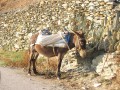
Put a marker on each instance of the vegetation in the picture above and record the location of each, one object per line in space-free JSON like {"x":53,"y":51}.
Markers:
{"x":20,"y":59}
{"x":13,"y":59}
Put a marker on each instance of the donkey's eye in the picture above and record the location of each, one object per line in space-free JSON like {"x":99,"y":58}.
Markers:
{"x":81,"y":40}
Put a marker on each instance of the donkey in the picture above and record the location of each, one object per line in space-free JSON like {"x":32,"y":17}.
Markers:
{"x":77,"y":40}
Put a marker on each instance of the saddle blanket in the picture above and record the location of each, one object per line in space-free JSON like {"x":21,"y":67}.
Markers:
{"x":54,"y":40}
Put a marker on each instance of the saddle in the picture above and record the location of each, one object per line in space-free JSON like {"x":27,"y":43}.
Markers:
{"x":46,"y":38}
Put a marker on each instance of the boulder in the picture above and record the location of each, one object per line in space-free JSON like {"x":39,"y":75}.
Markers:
{"x":106,"y":65}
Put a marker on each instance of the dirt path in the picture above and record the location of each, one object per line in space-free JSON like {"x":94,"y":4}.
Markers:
{"x":15,"y":79}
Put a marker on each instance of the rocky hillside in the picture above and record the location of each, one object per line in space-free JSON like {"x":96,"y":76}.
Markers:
{"x":17,"y":25}
{"x":20,"y":18}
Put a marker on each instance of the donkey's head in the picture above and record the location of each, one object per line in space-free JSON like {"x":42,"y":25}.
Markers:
{"x":80,"y":43}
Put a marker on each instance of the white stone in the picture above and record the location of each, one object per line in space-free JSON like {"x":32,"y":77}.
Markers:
{"x":90,"y":18}
{"x":91,"y":8}
{"x":17,"y":34}
{"x":99,"y":0}
{"x":96,"y":3}
{"x":78,"y":2}
{"x":64,"y":5}
{"x":16,"y":46}
{"x":83,"y":5}
{"x":29,"y":35}
{"x":59,"y":22}
{"x":91,"y":4}
{"x":53,"y":17}
{"x":106,"y":0}
{"x":5,"y":25}
{"x":86,"y":2}
{"x":97,"y":84}
{"x":98,"y":21}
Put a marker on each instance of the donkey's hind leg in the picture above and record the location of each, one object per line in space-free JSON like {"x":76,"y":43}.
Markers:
{"x":31,"y":58}
{"x":34,"y":62}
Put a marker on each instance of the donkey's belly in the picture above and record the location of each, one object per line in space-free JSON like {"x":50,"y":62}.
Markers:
{"x":46,"y":51}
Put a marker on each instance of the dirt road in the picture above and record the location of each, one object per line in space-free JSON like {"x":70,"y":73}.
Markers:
{"x":15,"y":79}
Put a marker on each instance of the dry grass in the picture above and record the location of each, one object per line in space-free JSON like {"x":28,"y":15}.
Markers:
{"x":47,"y":68}
{"x":20,"y":60}
{"x":14,"y":59}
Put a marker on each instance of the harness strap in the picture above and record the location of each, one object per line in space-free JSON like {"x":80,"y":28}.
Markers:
{"x":65,"y":41}
{"x":53,"y":49}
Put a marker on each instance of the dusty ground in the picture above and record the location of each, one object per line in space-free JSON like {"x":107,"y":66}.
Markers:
{"x":16,"y":79}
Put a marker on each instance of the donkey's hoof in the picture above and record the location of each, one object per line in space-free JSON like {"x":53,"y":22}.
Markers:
{"x":58,"y":78}
{"x":36,"y":73}
{"x":29,"y":73}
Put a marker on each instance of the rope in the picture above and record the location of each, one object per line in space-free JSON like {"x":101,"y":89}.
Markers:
{"x":65,"y":41}
{"x":53,"y":49}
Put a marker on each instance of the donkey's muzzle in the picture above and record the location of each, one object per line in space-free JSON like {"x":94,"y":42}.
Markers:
{"x":82,"y":53}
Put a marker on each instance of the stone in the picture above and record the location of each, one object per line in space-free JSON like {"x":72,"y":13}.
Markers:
{"x":106,"y":0}
{"x":90,"y":18}
{"x":102,"y":3}
{"x":106,"y":65}
{"x":16,"y":46}
{"x":97,"y":84}
{"x":91,"y":4}
{"x":91,"y":8}
{"x":64,"y":5}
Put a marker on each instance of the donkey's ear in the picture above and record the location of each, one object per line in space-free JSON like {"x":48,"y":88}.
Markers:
{"x":80,"y":32}
{"x":75,"y":32}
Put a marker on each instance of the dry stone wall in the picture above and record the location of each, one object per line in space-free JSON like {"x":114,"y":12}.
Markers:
{"x":16,"y":26}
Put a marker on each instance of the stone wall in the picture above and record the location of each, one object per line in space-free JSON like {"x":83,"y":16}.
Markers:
{"x":16,"y":26}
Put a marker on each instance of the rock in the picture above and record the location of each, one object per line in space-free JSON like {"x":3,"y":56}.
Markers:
{"x":118,"y":47}
{"x":106,"y":65}
{"x":16,"y":46}
{"x":97,"y":84}
{"x":97,"y":60}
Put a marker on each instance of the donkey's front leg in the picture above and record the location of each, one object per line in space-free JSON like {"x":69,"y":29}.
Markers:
{"x":59,"y":65}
